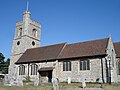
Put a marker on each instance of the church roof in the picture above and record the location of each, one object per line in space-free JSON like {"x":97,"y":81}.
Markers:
{"x":64,"y":51}
{"x":117,"y":49}
{"x":41,"y":53}
{"x":85,"y":49}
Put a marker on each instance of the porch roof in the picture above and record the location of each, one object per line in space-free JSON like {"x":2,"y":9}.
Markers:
{"x":45,"y":69}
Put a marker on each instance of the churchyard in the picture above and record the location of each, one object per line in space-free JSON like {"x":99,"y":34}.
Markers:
{"x":62,"y":86}
{"x":19,"y":84}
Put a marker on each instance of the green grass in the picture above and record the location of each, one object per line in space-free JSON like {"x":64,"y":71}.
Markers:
{"x":63,"y":86}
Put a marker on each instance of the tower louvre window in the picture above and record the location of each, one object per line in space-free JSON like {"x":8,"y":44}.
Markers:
{"x":34,"y":32}
{"x":20,"y":32}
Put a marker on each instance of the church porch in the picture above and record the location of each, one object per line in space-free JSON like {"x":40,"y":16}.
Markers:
{"x":45,"y":74}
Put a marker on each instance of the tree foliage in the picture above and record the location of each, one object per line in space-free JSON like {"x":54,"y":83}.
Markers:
{"x":1,"y":58}
{"x":4,"y":64}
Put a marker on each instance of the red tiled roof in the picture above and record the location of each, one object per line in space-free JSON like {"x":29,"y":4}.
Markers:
{"x":84,"y":49}
{"x":64,"y":50}
{"x":117,"y":49}
{"x":41,"y":53}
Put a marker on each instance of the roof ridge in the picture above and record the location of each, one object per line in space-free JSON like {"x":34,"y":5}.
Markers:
{"x":62,"y":50}
{"x":89,"y":41}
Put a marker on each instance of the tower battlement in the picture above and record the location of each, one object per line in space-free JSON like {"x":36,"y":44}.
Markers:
{"x":19,"y":23}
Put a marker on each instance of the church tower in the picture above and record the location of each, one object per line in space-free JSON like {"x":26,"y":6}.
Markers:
{"x":27,"y":35}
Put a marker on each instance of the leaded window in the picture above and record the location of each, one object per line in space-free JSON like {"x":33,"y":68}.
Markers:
{"x":21,"y":70}
{"x":34,"y":69}
{"x":84,"y":65}
{"x":66,"y":66}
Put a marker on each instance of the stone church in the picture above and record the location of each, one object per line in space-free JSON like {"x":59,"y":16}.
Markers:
{"x":93,"y":61}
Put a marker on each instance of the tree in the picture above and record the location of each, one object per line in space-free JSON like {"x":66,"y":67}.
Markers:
{"x":1,"y":58}
{"x":4,"y":64}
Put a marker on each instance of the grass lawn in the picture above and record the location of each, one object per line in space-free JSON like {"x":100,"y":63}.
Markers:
{"x":64,"y":86}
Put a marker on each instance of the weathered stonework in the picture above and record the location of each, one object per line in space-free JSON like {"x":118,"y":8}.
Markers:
{"x":23,"y":40}
{"x":78,"y":75}
{"x":118,"y":62}
{"x":102,"y":68}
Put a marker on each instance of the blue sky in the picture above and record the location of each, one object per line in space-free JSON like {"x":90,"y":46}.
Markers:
{"x":62,"y":20}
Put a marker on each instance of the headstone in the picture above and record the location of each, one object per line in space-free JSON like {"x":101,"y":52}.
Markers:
{"x":55,"y":84}
{"x":12,"y":82}
{"x":83,"y":84}
{"x":36,"y":82}
{"x":19,"y":82}
{"x":43,"y":81}
{"x":69,"y":80}
{"x":6,"y":81}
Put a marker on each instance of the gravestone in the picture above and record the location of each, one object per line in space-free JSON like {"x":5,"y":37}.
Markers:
{"x":19,"y":82}
{"x":36,"y":82}
{"x":43,"y":81}
{"x":6,"y":81}
{"x":55,"y":84}
{"x":12,"y":82}
{"x":83,"y":83}
{"x":69,"y":80}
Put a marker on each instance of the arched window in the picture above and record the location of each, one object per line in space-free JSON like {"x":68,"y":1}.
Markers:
{"x":21,"y":70}
{"x":34,"y":69}
{"x":34,"y":32}
{"x":20,"y":32}
{"x":118,"y":67}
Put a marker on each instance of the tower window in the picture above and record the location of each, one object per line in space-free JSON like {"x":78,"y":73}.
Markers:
{"x":33,"y":43}
{"x":20,"y":32}
{"x":18,"y":43}
{"x":34,"y":32}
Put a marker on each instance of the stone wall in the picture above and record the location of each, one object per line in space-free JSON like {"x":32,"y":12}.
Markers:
{"x":78,"y":75}
{"x":111,"y":60}
{"x":40,"y":65}
{"x":118,"y":75}
{"x":23,"y":40}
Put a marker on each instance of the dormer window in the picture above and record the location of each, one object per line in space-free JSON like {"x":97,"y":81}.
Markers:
{"x":34,"y":32}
